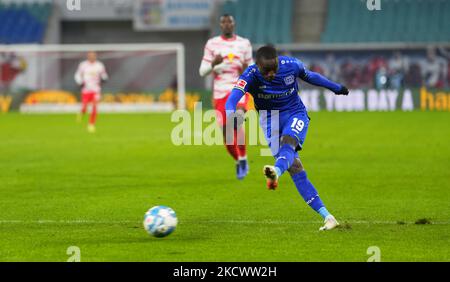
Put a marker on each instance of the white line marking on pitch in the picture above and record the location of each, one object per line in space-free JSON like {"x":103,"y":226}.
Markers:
{"x":85,"y":221}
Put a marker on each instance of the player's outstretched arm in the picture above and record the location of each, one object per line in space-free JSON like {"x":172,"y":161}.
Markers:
{"x":320,"y":80}
{"x":233,"y":99}
{"x":230,"y":108}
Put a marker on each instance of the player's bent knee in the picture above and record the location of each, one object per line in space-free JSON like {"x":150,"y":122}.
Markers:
{"x":286,"y":139}
{"x":296,"y":167}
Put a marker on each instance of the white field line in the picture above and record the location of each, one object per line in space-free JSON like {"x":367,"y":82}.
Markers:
{"x":230,"y":221}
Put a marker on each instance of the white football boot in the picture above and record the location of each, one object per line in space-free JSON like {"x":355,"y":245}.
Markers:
{"x":330,"y":223}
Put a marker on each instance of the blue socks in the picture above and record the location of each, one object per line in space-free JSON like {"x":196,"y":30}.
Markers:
{"x":309,"y":193}
{"x":286,"y":156}
{"x":323,"y":212}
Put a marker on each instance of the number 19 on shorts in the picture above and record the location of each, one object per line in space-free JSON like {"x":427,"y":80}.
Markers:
{"x":297,"y":125}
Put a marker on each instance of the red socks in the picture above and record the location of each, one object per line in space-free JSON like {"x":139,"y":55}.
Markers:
{"x":235,"y":150}
{"x":93,"y":114}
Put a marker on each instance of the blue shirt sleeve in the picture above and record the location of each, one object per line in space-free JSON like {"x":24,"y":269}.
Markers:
{"x":316,"y":78}
{"x":240,"y":88}
{"x":233,"y":99}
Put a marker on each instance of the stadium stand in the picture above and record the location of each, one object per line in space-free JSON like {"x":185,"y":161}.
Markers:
{"x":397,"y":21}
{"x":257,"y":22}
{"x":23,"y":22}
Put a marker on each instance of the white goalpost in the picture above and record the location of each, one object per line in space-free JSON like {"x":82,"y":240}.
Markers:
{"x":142,"y":77}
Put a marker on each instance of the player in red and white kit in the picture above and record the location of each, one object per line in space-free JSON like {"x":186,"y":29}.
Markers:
{"x":89,"y":76}
{"x":226,"y":57}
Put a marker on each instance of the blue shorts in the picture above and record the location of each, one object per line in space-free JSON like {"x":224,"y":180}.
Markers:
{"x":276,"y":124}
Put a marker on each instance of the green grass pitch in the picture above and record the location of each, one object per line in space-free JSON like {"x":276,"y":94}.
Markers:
{"x":378,"y":173}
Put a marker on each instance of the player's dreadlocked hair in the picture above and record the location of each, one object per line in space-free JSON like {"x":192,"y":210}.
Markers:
{"x":267,"y":52}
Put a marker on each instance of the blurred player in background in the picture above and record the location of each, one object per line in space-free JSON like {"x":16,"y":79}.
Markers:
{"x":272,"y":82}
{"x":226,"y":57}
{"x":11,"y":66}
{"x":90,"y":74}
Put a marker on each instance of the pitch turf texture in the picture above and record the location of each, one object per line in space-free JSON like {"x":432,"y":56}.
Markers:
{"x":378,"y":173}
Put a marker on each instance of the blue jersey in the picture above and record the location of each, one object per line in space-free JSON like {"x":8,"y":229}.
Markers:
{"x":282,"y":92}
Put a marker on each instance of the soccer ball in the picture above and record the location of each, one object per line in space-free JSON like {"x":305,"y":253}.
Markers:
{"x":160,"y":221}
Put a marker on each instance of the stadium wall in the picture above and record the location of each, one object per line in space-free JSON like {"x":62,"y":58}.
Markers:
{"x":93,"y":32}
{"x":407,"y":99}
{"x":366,"y":69}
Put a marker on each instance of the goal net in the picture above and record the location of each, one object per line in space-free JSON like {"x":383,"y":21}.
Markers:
{"x":142,"y":77}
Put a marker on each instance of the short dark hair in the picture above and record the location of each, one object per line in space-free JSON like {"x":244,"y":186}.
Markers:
{"x":226,"y":16}
{"x":267,"y":52}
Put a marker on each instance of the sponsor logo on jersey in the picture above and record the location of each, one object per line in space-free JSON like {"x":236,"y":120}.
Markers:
{"x":230,"y":57}
{"x":289,"y":79}
{"x":275,"y":96}
{"x":241,"y":84}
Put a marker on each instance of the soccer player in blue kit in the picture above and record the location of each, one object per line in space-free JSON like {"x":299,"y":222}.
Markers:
{"x":272,"y":82}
